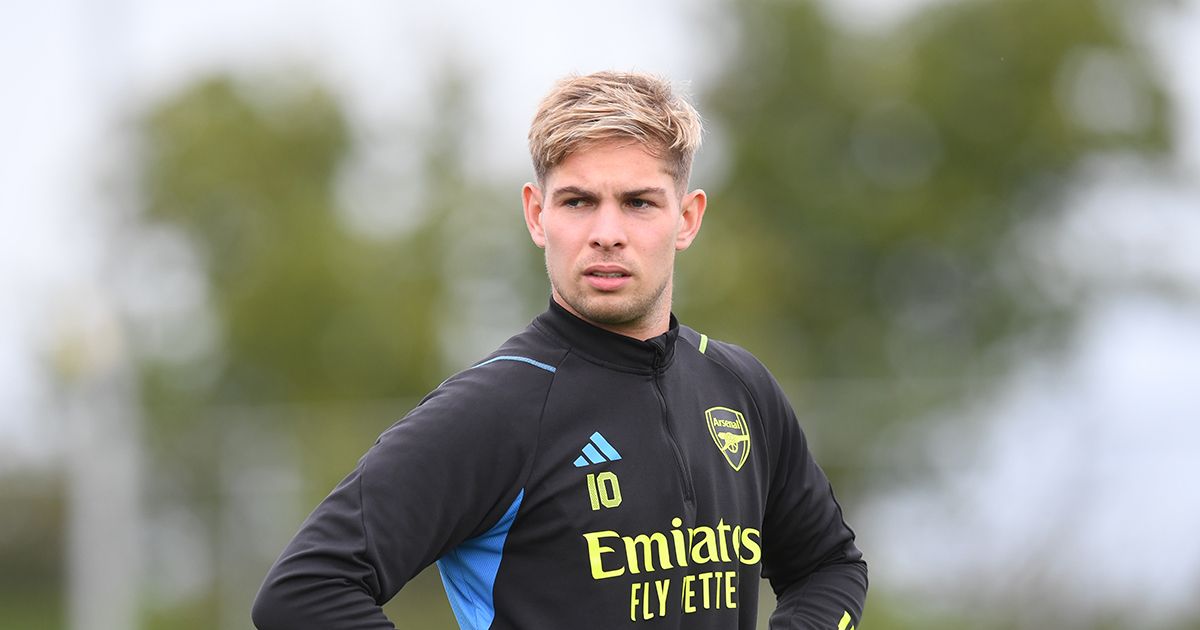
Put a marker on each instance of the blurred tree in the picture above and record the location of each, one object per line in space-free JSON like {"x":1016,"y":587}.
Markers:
{"x":866,"y":239}
{"x":324,"y":333}
{"x":308,"y":312}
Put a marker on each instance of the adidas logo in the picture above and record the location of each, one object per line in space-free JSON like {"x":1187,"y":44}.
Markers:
{"x":597,"y":451}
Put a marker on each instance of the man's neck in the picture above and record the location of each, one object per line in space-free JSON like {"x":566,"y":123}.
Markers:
{"x":648,"y":327}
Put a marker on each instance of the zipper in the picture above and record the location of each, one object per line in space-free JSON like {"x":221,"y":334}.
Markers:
{"x":689,"y":493}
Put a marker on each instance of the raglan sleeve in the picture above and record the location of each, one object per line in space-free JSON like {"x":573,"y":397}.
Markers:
{"x":809,"y":552}
{"x":445,"y":473}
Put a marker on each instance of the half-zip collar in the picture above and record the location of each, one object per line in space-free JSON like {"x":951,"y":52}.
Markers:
{"x":609,"y":348}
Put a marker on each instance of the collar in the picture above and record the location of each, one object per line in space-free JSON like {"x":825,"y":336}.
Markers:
{"x":609,"y":348}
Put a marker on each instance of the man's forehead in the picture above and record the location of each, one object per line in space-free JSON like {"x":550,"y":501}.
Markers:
{"x":610,"y":163}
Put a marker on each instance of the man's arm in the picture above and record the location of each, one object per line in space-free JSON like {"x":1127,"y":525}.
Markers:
{"x":327,"y":576}
{"x":444,"y":474}
{"x":809,"y":556}
{"x":818,"y":574}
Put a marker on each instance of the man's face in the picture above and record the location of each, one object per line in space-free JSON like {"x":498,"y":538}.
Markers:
{"x":611,"y":219}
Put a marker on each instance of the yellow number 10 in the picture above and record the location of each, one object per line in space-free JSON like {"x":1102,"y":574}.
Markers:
{"x":603,"y":489}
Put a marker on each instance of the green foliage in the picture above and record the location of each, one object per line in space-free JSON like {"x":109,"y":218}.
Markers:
{"x":325,"y":334}
{"x":423,"y":604}
{"x":865,"y":240}
{"x":308,"y":312}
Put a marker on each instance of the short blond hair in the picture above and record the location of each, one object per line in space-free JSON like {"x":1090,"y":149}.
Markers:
{"x":584,"y":110}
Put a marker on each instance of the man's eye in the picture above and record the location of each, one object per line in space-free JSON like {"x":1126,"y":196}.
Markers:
{"x":575,"y":203}
{"x":639,"y":203}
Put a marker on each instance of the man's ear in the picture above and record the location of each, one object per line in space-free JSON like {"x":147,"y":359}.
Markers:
{"x":689,"y":221}
{"x":531,"y":199}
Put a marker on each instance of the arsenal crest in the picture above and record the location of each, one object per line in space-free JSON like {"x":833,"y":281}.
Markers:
{"x":731,"y":433}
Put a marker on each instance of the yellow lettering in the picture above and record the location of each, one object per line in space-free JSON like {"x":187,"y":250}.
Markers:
{"x":603,"y":489}
{"x":723,"y":529}
{"x":647,"y":543}
{"x":730,"y":589}
{"x":680,"y":546}
{"x":754,"y":547}
{"x":662,"y":586}
{"x":591,"y":484}
{"x":677,"y":547}
{"x":704,"y":550}
{"x":639,"y":598}
{"x":610,"y":489}
{"x":688,"y":593}
{"x":596,"y":551}
{"x":706,"y":599}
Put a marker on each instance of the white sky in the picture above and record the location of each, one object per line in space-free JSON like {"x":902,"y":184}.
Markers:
{"x":1125,"y":400}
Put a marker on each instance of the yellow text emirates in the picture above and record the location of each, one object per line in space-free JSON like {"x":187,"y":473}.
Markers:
{"x":610,"y":554}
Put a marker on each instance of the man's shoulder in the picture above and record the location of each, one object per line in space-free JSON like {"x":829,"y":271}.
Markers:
{"x":529,"y":353}
{"x":483,"y":399}
{"x":730,"y":355}
{"x":523,"y":363}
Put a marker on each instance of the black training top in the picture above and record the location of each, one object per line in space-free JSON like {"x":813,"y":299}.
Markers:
{"x":582,"y":479}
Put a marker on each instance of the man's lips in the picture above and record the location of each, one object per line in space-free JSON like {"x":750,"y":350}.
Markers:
{"x":606,"y":277}
{"x":606,"y":270}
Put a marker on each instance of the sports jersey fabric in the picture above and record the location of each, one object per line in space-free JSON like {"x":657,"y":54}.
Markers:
{"x":578,"y":478}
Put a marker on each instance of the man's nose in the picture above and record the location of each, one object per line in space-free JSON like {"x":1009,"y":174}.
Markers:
{"x":608,"y":228}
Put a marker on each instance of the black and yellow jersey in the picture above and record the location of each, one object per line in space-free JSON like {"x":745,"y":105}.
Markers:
{"x":582,"y":479}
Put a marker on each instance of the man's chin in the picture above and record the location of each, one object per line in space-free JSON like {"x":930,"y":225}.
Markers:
{"x":606,"y":310}
{"x":608,"y":314}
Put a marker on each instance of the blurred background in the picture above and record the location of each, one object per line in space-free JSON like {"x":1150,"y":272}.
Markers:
{"x":241,"y":239}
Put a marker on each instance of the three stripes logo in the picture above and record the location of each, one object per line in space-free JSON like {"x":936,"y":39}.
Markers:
{"x":597,"y":451}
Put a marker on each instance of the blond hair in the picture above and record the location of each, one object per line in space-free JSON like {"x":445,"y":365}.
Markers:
{"x":584,"y":110}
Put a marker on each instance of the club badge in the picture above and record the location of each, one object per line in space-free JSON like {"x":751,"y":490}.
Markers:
{"x":731,"y":434}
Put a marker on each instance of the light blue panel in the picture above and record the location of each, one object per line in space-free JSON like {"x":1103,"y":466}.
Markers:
{"x":469,"y":572}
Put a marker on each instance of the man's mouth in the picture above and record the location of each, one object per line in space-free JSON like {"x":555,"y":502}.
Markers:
{"x":606,"y":270}
{"x":606,"y":277}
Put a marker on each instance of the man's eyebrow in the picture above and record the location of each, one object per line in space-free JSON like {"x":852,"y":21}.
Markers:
{"x":574,"y":191}
{"x":643,"y":192}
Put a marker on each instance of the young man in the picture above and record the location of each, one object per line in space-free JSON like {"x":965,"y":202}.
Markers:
{"x":606,"y":467}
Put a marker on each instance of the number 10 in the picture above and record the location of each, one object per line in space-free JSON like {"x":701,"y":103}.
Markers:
{"x":603,"y":489}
